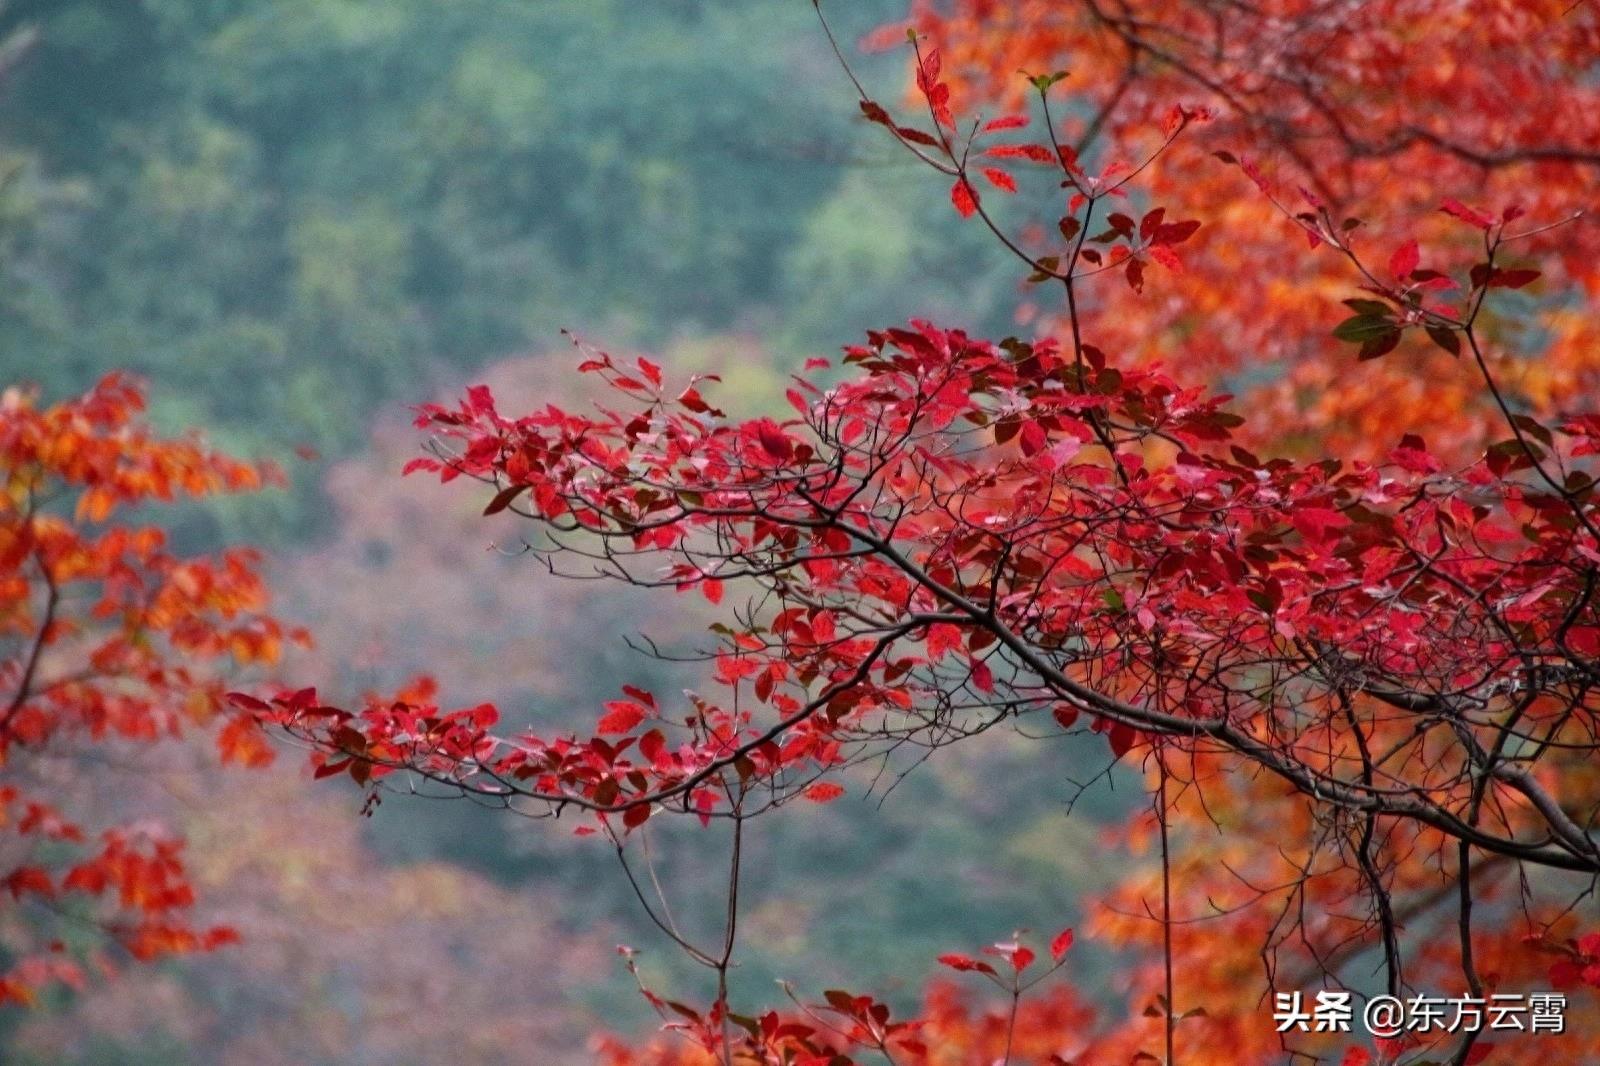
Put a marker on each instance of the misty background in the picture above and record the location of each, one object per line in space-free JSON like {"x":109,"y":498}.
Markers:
{"x":294,"y":218}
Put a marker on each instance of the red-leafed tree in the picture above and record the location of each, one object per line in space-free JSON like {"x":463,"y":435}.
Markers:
{"x":1359,"y":675}
{"x":109,"y":638}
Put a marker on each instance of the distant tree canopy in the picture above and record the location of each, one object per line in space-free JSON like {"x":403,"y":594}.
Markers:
{"x":294,"y":208}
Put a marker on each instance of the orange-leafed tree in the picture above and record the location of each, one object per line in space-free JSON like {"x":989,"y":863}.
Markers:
{"x":110,"y":638}
{"x":1374,"y":111}
{"x":1349,"y":629}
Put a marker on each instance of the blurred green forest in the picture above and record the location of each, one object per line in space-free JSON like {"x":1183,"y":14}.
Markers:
{"x":294,"y":217}
{"x":289,"y":214}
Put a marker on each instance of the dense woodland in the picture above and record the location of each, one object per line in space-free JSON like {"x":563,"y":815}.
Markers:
{"x":1152,"y":531}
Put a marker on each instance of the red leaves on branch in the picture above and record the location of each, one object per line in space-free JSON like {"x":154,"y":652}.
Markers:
{"x":965,"y":198}
{"x":1377,"y":664}
{"x":112,"y":636}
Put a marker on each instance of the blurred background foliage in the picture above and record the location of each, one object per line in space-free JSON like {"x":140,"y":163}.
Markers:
{"x":291,"y":213}
{"x":293,"y":218}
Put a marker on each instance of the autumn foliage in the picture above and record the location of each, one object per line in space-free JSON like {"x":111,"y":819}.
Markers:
{"x":1379,"y":112}
{"x":1351,"y":640}
{"x":1286,"y":499}
{"x":111,"y":639}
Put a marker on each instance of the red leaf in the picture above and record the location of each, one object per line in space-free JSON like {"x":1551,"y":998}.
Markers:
{"x":1457,"y":209}
{"x":1000,"y":179}
{"x":1135,"y":274}
{"x":1176,"y":232}
{"x":1005,"y":122}
{"x":652,"y":745}
{"x":963,"y":963}
{"x":1253,"y":172}
{"x":982,"y":676}
{"x":1122,"y":737}
{"x":822,"y":792}
{"x":1038,"y":153}
{"x":1032,"y":439}
{"x":89,"y":878}
{"x":1315,"y":523}
{"x":875,"y":113}
{"x":1404,"y":260}
{"x":241,"y":741}
{"x":620,"y":717}
{"x":1511,"y":279}
{"x":1166,"y":257}
{"x":964,"y":197}
{"x":1565,"y":974}
{"x":1059,"y":946}
{"x":774,"y":441}
{"x":29,"y":879}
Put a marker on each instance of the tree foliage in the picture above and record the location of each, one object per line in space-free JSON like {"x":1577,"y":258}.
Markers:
{"x":110,"y":638}
{"x":1343,"y":629}
{"x":1355,"y":664}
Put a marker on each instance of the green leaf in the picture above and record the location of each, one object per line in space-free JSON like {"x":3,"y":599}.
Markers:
{"x":1446,"y":339}
{"x":503,"y":498}
{"x":1537,"y":430}
{"x":1368,"y":307}
{"x":1363,"y":328}
{"x":1382,"y":344}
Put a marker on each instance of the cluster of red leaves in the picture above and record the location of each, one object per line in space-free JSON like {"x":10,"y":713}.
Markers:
{"x":964,"y":529}
{"x":1175,"y":571}
{"x":1577,"y":960}
{"x":108,"y":637}
{"x":1127,"y":245}
{"x":1378,"y":110}
{"x":955,"y":533}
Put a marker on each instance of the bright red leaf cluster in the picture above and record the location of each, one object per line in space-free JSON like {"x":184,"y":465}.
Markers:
{"x":1360,"y":673}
